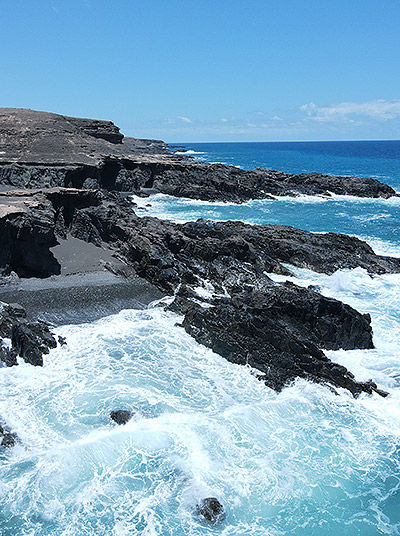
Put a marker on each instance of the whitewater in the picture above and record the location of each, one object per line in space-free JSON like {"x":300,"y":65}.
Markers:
{"x":306,"y":462}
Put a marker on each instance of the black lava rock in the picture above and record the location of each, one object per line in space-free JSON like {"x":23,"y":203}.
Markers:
{"x":33,"y":156}
{"x":31,"y":341}
{"x":211,"y":510}
{"x":62,"y":341}
{"x":8,"y":357}
{"x":280,"y":330}
{"x":121,"y":416}
{"x":7,"y":438}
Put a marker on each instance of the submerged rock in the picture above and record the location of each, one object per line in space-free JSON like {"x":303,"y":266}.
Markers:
{"x":7,"y":438}
{"x":62,"y":341}
{"x":211,"y":510}
{"x":121,"y":416}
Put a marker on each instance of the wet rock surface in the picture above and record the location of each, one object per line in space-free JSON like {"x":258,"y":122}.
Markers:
{"x":7,"y":438}
{"x":28,"y":340}
{"x":211,"y":510}
{"x":219,"y":275}
{"x":279,"y":331}
{"x":121,"y":416}
{"x":218,"y":182}
{"x":217,"y":272}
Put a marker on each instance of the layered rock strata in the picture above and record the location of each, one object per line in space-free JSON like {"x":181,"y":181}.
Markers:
{"x":40,"y":149}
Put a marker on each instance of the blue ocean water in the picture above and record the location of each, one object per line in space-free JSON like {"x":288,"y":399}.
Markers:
{"x":303,"y":462}
{"x":377,"y":159}
{"x":375,"y":220}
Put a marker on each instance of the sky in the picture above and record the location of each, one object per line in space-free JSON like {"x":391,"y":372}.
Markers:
{"x":209,"y":70}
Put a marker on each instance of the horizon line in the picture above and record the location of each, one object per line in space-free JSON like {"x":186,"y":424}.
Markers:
{"x":283,"y":141}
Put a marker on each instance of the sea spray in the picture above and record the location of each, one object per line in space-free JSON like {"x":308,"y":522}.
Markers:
{"x":303,"y":462}
{"x":373,"y":220}
{"x":290,"y":463}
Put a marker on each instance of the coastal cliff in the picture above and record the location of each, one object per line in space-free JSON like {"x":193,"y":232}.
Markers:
{"x":70,"y":174}
{"x":40,"y":149}
{"x":218,"y":275}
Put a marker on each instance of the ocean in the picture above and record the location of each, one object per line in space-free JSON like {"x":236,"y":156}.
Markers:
{"x":304,"y":462}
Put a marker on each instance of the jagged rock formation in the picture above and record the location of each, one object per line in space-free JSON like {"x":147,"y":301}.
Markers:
{"x":121,"y":416}
{"x":40,"y":149}
{"x":7,"y":438}
{"x":279,"y":331}
{"x":218,"y":272}
{"x":29,"y":340}
{"x":27,"y":233}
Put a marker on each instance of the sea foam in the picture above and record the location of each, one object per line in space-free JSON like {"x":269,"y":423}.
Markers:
{"x":203,"y":427}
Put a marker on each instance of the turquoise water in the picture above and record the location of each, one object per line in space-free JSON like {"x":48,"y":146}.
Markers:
{"x":303,"y":462}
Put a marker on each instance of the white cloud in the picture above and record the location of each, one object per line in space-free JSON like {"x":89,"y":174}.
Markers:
{"x":276,"y":118}
{"x":377,"y":109}
{"x":185,"y":119}
{"x":224,"y":120}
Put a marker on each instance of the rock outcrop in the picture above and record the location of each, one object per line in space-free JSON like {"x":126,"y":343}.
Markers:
{"x":28,"y":340}
{"x":211,"y":510}
{"x":279,"y":331}
{"x":121,"y":416}
{"x":40,"y":149}
{"x":218,"y":273}
{"x":27,"y":234}
{"x":7,"y":438}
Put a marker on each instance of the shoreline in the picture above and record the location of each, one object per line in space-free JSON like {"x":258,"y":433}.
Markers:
{"x":79,"y":298}
{"x":83,"y":253}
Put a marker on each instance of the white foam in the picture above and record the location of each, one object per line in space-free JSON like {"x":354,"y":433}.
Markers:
{"x":377,"y":295}
{"x":189,"y":151}
{"x":382,"y":247}
{"x":205,"y":427}
{"x":165,"y":206}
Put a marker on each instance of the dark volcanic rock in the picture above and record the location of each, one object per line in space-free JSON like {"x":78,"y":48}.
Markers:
{"x":7,"y":356}
{"x":273,"y":244}
{"x":29,"y":340}
{"x":211,"y":509}
{"x":279,"y":332}
{"x":279,"y":329}
{"x":7,"y":438}
{"x":27,"y":234}
{"x":30,"y":137}
{"x":62,"y":341}
{"x":121,"y":416}
{"x":218,"y":182}
{"x":41,"y":149}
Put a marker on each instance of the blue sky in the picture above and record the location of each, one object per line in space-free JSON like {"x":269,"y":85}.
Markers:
{"x":209,"y":70}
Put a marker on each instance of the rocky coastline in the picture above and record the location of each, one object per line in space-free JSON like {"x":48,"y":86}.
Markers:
{"x":40,"y":149}
{"x":66,"y":215}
